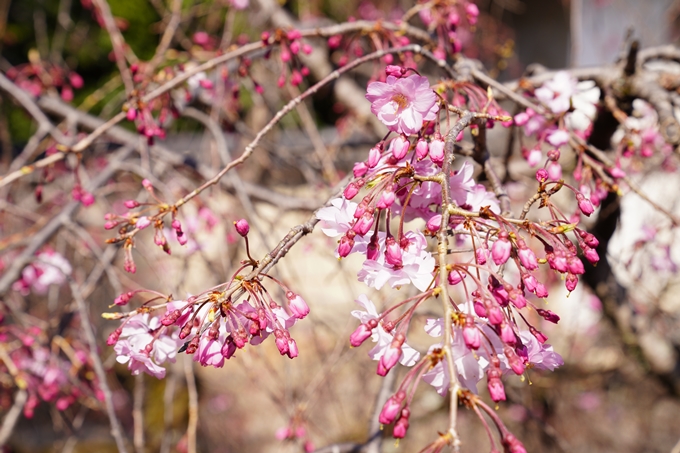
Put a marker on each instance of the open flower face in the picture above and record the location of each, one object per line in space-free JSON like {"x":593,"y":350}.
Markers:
{"x":403,"y":104}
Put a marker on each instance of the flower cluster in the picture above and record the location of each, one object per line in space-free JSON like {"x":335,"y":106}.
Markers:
{"x":493,"y":282}
{"x":212,"y":326}
{"x":48,"y":268}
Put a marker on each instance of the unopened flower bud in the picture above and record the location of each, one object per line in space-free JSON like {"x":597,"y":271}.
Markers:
{"x":399,"y":147}
{"x":494,"y":384}
{"x":434,"y":223}
{"x":548,"y":315}
{"x":360,"y":169}
{"x":584,"y":205}
{"x":526,"y":256}
{"x":514,"y":361}
{"x":400,"y":428}
{"x":123,"y":299}
{"x":392,"y":408}
{"x":392,"y":252}
{"x":114,"y":336}
{"x":421,"y":149}
{"x":131,"y":204}
{"x":471,"y":334}
{"x":500,"y":250}
{"x":297,"y":305}
{"x":374,"y":156}
{"x":292,"y":349}
{"x":437,"y":151}
{"x":346,"y":244}
{"x":507,"y":334}
{"x":396,"y":71}
{"x":541,"y":175}
{"x":242,"y":227}
{"x":363,"y":224}
{"x":570,"y":282}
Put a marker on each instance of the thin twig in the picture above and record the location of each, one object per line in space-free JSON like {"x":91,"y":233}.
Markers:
{"x":116,"y":429}
{"x":12,"y":416}
{"x":138,"y":414}
{"x":193,"y":404}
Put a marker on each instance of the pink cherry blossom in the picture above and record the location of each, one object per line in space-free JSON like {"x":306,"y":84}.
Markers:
{"x":417,"y":266}
{"x":409,"y":356}
{"x":402,"y":104}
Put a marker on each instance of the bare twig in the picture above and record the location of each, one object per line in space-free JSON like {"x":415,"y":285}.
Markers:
{"x":138,"y":414}
{"x":12,"y":416}
{"x":193,"y":404}
{"x":116,"y":429}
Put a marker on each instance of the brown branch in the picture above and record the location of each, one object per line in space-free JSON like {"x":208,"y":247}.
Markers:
{"x":12,"y":417}
{"x":116,"y":429}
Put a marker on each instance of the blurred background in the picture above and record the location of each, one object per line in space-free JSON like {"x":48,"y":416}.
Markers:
{"x":618,"y":390}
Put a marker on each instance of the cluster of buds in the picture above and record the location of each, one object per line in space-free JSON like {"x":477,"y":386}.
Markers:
{"x":38,"y":77}
{"x":453,"y":19}
{"x":212,"y":326}
{"x":34,"y":363}
{"x":290,"y":45}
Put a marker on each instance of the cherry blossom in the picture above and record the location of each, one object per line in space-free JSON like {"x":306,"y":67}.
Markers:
{"x":417,"y":266}
{"x":409,"y":356}
{"x":402,"y":104}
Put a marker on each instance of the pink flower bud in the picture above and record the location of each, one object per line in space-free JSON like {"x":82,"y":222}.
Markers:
{"x":554,"y":170}
{"x":575,"y":265}
{"x":75,"y":80}
{"x":228,"y":348}
{"x":387,"y":197}
{"x":281,"y":341}
{"x":361,"y":334}
{"x":114,"y":336}
{"x":396,"y":71}
{"x":393,"y":252}
{"x":437,"y":151}
{"x":541,"y":175}
{"x":346,"y":244}
{"x":297,"y":305}
{"x":571,"y":282}
{"x":589,"y":239}
{"x":242,"y":227}
{"x":507,"y":334}
{"x":391,"y":408}
{"x":131,"y":114}
{"x":455,"y":277}
{"x":591,"y":255}
{"x":514,"y":361}
{"x":538,"y":334}
{"x":334,"y":41}
{"x":480,"y":309}
{"x":399,"y":147}
{"x":548,"y":315}
{"x":360,"y":169}
{"x":295,"y":78}
{"x":391,"y":356}
{"x":481,"y":255}
{"x":495,"y":315}
{"x":147,"y":184}
{"x":295,"y":47}
{"x":351,"y":190}
{"x":521,"y":118}
{"x":363,"y":224}
{"x":495,"y":385}
{"x":517,"y":299}
{"x":400,"y":428}
{"x":374,"y":156}
{"x":123,"y":299}
{"x":554,"y":155}
{"x":434,"y":223}
{"x":373,"y":249}
{"x":421,"y":149}
{"x":471,"y":334}
{"x":500,"y":250}
{"x":526,"y":256}
{"x":142,"y":222}
{"x":529,"y":282}
{"x":307,"y":50}
{"x":292,"y":349}
{"x":541,"y":290}
{"x":584,"y":205}
{"x":131,"y":204}
{"x":512,"y":445}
